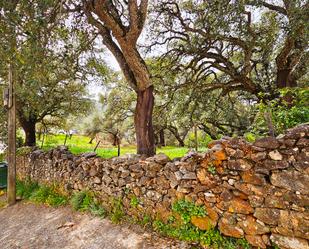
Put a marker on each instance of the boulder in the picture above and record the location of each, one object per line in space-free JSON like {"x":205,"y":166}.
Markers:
{"x":267,"y":142}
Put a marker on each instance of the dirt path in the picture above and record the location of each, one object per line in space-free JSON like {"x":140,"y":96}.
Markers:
{"x":29,"y":226}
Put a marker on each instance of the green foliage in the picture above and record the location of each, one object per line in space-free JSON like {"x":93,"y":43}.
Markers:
{"x":250,"y":137}
{"x":117,"y":211}
{"x":202,"y":139}
{"x":187,"y":209}
{"x":2,"y":157}
{"x":80,"y":201}
{"x":212,"y":169}
{"x":40,"y":193}
{"x":85,"y":201}
{"x":284,"y":114}
{"x":25,"y":189}
{"x":80,"y":144}
{"x":146,"y":220}
{"x":134,"y":202}
{"x":77,"y":200}
{"x":185,"y":230}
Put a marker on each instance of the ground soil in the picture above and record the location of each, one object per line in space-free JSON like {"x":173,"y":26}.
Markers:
{"x":30,"y":226}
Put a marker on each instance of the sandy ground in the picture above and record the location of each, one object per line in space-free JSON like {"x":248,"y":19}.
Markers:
{"x":29,"y":226}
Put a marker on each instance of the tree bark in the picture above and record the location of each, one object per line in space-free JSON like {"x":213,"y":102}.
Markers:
{"x":91,"y":140}
{"x":143,"y":122}
{"x":284,"y":79}
{"x":176,"y":134}
{"x":181,"y":142}
{"x":161,"y":138}
{"x":29,"y":128}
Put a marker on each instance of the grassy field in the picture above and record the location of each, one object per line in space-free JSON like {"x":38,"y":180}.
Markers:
{"x":80,"y":144}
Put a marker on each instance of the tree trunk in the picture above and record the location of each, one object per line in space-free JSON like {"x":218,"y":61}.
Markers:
{"x":176,"y":134}
{"x":40,"y":134}
{"x":91,"y":140}
{"x":270,"y":125}
{"x":29,"y":128}
{"x":161,"y":138}
{"x":181,"y":142}
{"x":143,"y":122}
{"x":284,"y":79}
{"x":195,"y":138}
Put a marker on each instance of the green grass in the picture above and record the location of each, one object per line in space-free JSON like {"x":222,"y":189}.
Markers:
{"x":79,"y":144}
{"x":80,"y":201}
{"x":85,"y":201}
{"x":40,"y":193}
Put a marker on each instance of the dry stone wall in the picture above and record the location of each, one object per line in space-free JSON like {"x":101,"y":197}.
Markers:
{"x":259,"y":191}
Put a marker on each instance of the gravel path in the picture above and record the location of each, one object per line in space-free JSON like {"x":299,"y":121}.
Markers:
{"x":29,"y":226}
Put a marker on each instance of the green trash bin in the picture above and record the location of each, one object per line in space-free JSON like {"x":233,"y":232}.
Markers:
{"x":3,"y":174}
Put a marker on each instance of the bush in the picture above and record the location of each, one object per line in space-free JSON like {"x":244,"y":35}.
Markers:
{"x":203,"y":139}
{"x":283,"y":114}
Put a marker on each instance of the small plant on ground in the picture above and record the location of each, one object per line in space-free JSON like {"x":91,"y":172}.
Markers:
{"x":25,"y":189}
{"x":81,"y":201}
{"x":212,"y":169}
{"x":85,"y":201}
{"x":40,"y":193}
{"x":117,"y":212}
{"x":134,"y":202}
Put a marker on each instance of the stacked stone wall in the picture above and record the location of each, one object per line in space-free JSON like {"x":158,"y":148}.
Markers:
{"x":256,"y":191}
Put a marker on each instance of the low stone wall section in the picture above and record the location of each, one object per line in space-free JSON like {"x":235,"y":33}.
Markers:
{"x":256,"y":191}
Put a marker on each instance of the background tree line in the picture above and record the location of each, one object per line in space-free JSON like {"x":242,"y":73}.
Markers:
{"x":214,"y":67}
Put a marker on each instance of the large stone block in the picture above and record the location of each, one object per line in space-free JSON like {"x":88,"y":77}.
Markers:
{"x":267,"y":142}
{"x":228,"y":226}
{"x":291,"y":180}
{"x":286,"y":242}
{"x":239,"y":165}
{"x":267,"y":215}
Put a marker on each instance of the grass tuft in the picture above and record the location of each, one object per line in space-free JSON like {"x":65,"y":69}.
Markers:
{"x":85,"y":201}
{"x":117,"y":212}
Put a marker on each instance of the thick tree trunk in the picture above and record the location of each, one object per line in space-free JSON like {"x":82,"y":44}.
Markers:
{"x":156,"y":139}
{"x":29,"y":128}
{"x":143,"y":122}
{"x":181,"y":142}
{"x":161,"y":138}
{"x":284,"y":79}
